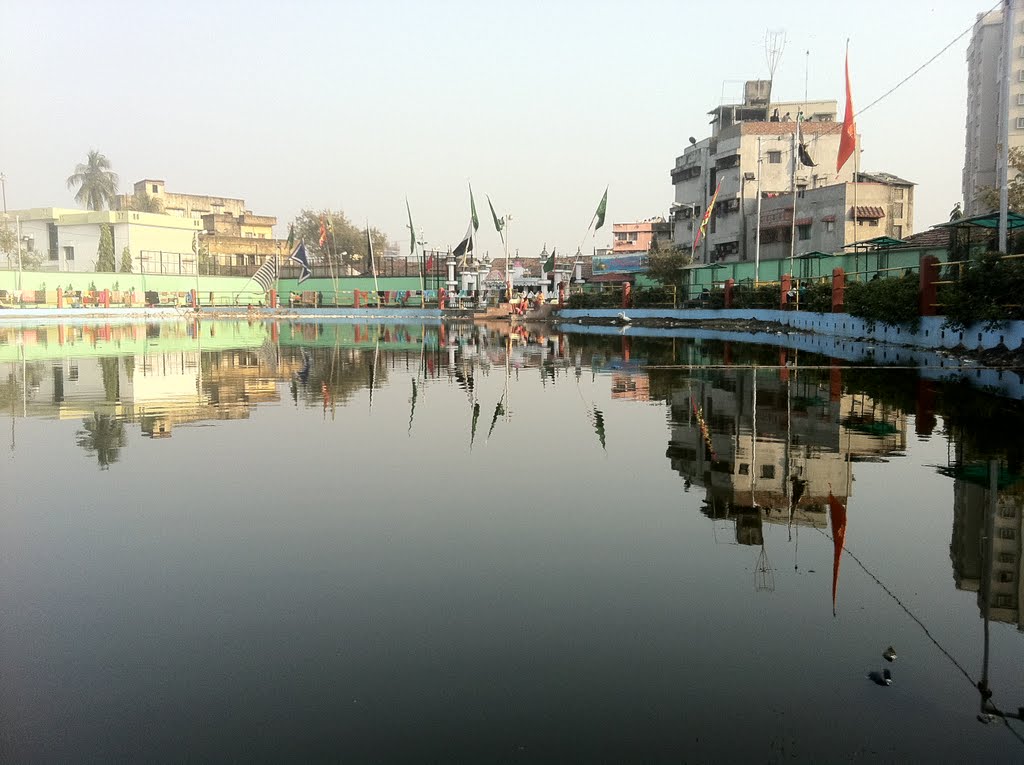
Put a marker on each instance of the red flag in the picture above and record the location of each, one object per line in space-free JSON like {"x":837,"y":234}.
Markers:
{"x":848,"y":138}
{"x":430,"y":263}
{"x":323,"y":232}
{"x":707,"y":216}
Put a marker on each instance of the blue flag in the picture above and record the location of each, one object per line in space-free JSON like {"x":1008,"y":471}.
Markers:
{"x":300,"y":258}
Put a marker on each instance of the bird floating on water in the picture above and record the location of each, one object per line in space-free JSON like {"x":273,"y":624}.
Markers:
{"x":889,"y":654}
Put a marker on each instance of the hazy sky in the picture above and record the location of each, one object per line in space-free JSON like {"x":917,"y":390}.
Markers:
{"x":356,"y":105}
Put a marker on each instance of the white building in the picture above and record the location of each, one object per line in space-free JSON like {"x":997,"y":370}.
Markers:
{"x":985,"y":71}
{"x":68,"y":240}
{"x":748,"y":139}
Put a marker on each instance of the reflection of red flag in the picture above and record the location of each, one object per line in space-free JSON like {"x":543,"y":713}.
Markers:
{"x":837,"y":513}
{"x":848,"y":138}
{"x":323,"y":232}
{"x":707,"y":216}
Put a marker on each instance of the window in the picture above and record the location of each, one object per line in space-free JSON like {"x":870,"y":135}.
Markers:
{"x":767,"y":471}
{"x":830,"y":226}
{"x":1007,"y":511}
{"x":775,"y":157}
{"x":69,"y":253}
{"x":1020,"y":76}
{"x":800,"y":191}
{"x":897,"y":231}
{"x":1005,"y":601}
{"x":744,"y":469}
{"x":1006,"y":576}
{"x":155,"y":189}
{"x":873,"y":222}
{"x":1005,"y":557}
{"x":897,"y":210}
{"x":1020,"y":123}
{"x":803,"y":233}
{"x":30,"y":243}
{"x":1006,"y":533}
{"x":73,"y":372}
{"x":1020,"y":99}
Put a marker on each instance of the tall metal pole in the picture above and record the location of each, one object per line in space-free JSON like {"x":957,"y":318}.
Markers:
{"x":1004,"y":127}
{"x":757,"y":237}
{"x":792,"y":182}
{"x":17,"y":221}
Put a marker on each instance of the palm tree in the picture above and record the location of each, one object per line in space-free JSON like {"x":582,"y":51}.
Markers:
{"x":96,"y":182}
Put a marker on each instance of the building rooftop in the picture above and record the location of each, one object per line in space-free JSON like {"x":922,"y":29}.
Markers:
{"x":887,"y":178}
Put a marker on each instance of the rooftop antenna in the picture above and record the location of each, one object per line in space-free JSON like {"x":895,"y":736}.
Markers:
{"x":774,"y":44}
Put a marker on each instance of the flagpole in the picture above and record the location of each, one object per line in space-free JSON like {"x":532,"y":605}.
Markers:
{"x":757,"y":238}
{"x":792,"y":183}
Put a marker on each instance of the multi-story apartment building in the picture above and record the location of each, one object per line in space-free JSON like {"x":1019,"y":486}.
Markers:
{"x":985,"y":110}
{"x":756,"y":137}
{"x":633,"y":238}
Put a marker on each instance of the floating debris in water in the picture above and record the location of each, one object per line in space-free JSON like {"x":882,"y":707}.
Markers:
{"x":889,"y":654}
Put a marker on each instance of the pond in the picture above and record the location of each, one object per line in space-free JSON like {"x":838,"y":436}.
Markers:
{"x":234,"y":540}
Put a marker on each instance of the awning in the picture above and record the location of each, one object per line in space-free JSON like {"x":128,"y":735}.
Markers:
{"x":878,"y":243}
{"x":804,"y":221}
{"x":813,"y":254}
{"x":828,"y":218}
{"x":868,"y":211}
{"x":989,"y":220}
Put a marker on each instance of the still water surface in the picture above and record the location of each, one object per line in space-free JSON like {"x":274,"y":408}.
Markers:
{"x":358,"y":543}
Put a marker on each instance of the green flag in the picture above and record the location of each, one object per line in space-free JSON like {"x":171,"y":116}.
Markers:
{"x":549,"y":264}
{"x":291,"y":236}
{"x":412,"y":231}
{"x":601,"y":208}
{"x":499,"y":223}
{"x":472,"y":209}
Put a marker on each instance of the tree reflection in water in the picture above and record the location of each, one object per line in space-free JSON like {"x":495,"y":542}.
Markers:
{"x":104,"y":436}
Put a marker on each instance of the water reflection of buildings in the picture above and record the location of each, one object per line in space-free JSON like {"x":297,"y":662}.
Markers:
{"x":770,"y":448}
{"x":986,"y":547}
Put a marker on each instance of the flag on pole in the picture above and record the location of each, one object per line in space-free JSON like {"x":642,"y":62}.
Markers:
{"x":549,"y":264}
{"x":266,"y":274}
{"x":465,"y":247}
{"x":848,"y":137}
{"x":707,"y":216}
{"x":499,"y":223}
{"x":601,"y":209}
{"x":430,"y":263}
{"x":301,"y":259}
{"x":801,"y":147}
{"x":291,"y":236}
{"x":472,"y":209}
{"x":412,"y":231}
{"x":323,"y":231}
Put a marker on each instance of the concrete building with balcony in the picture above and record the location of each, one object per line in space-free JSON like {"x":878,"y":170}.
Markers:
{"x":635,"y":238}
{"x":831,"y":217}
{"x":232,"y":239}
{"x":754,"y":138}
{"x":985,"y":110}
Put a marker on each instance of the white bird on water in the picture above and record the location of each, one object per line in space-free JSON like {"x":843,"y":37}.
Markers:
{"x":622,"y":317}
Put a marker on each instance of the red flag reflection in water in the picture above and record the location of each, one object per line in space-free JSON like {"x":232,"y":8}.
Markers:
{"x":837,"y":514}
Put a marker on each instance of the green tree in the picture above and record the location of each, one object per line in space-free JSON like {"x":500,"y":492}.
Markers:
{"x":9,"y":244}
{"x":126,"y":260}
{"x":666,"y":265}
{"x":96,"y":182}
{"x":105,"y":252}
{"x":988,"y":196}
{"x":104,"y":436}
{"x":345,"y":244}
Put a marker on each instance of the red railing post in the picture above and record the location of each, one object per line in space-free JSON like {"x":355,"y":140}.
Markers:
{"x":785,"y":285}
{"x":838,"y":290}
{"x":729,"y":284}
{"x":928,"y":289}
